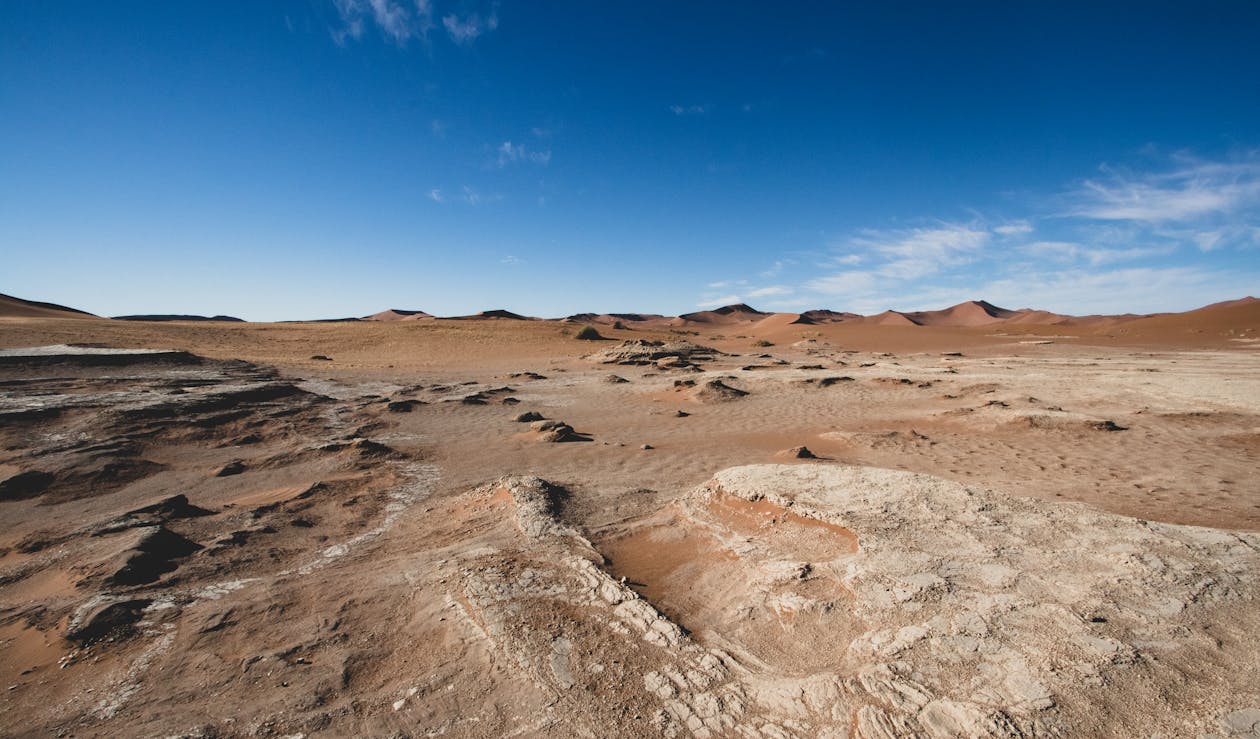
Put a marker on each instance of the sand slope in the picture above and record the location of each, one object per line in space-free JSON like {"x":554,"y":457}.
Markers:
{"x":11,"y":307}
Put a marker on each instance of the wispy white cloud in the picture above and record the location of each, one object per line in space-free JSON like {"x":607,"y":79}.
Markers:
{"x":913,"y":253}
{"x":776,"y":268}
{"x":1017,"y":228}
{"x":511,"y":260}
{"x":765,"y":292}
{"x":1066,"y":251}
{"x":1197,"y":189}
{"x":396,"y":20}
{"x":510,"y":153}
{"x":469,"y":28}
{"x":843,"y":284}
{"x":467,"y":195}
{"x":720,"y":301}
{"x":689,"y":109}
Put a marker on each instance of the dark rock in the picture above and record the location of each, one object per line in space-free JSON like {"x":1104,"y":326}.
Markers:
{"x":25,"y":485}
{"x":167,"y":509}
{"x":829,"y":381}
{"x":234,"y":467}
{"x":800,"y":452}
{"x":528,"y":417}
{"x":528,"y":375}
{"x":107,"y":621}
{"x":154,"y":555}
{"x":321,"y":358}
{"x":369,"y":448}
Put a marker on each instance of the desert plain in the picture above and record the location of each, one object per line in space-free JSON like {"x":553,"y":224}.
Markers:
{"x":971,"y":522}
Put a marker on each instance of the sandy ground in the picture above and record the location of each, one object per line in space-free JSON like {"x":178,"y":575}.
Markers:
{"x":991,"y":541}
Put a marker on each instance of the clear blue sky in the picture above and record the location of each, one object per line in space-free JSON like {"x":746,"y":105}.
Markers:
{"x":321,"y":158}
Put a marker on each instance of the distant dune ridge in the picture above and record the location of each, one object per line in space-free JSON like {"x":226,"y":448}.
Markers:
{"x":397,"y":314}
{"x":729,"y":314}
{"x":969,"y":314}
{"x":179,"y":317}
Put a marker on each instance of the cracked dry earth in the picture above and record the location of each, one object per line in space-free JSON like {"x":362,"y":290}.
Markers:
{"x":986,"y":546}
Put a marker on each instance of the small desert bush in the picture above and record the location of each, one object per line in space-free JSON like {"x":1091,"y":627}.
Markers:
{"x":588,"y":333}
{"x":763,"y":342}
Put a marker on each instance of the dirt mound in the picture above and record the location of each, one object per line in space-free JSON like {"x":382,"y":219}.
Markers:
{"x":643,"y":351}
{"x":556,"y":432}
{"x":716,"y":391}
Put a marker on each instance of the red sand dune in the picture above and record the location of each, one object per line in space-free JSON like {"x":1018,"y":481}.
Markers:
{"x":1241,"y":302}
{"x":776,"y":321}
{"x":1036,"y":317}
{"x":970,"y":313}
{"x":890,"y":318}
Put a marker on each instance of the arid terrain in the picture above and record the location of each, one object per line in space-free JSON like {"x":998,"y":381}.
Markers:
{"x":972,"y":522}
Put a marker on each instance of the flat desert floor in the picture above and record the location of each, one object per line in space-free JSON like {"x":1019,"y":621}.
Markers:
{"x":491,"y":528}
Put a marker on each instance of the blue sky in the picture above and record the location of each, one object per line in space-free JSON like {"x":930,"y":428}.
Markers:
{"x":321,"y":158}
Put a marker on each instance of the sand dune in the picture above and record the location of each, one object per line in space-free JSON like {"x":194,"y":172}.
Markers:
{"x":890,"y":318}
{"x":726,"y":315}
{"x":970,"y":313}
{"x":497,"y":314}
{"x":397,"y":314}
{"x":11,"y":307}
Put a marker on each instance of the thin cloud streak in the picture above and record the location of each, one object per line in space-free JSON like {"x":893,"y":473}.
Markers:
{"x":468,"y":29}
{"x":397,"y":21}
